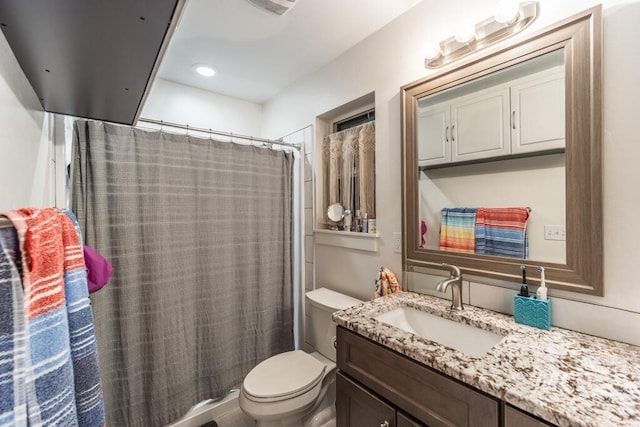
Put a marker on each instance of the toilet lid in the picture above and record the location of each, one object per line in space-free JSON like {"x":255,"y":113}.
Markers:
{"x":286,"y":374}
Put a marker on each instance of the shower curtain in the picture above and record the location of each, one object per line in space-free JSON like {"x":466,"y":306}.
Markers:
{"x":199,"y":235}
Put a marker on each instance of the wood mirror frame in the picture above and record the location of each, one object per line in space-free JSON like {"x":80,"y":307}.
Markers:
{"x":581,"y":38}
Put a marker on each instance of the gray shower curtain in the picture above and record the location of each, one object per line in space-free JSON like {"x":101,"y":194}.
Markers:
{"x":199,"y":235}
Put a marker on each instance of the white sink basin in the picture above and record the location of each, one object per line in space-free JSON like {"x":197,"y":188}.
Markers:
{"x":472,"y":341}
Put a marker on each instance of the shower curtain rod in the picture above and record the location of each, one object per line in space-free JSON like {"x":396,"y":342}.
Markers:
{"x":215,"y":132}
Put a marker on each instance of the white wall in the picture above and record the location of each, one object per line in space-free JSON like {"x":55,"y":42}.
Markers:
{"x":537,"y":182}
{"x":26,"y":154}
{"x":173,"y":102}
{"x":391,"y":58}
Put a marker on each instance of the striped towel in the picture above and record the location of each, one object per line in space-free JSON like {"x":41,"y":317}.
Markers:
{"x":457,"y":230}
{"x":61,"y":376}
{"x":84,"y":349}
{"x":502,"y":232}
{"x":13,"y":334}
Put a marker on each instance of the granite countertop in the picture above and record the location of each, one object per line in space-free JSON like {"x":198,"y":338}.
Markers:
{"x":564,"y":377}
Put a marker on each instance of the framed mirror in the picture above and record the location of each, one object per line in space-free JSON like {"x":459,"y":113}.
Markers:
{"x":516,"y":130}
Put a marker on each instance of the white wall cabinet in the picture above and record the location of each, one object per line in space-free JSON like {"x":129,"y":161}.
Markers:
{"x":522,"y":116}
{"x":537,"y":104}
{"x":480,"y":125}
{"x":434,"y":124}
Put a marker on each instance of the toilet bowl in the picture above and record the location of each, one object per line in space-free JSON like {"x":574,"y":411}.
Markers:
{"x":297,"y":388}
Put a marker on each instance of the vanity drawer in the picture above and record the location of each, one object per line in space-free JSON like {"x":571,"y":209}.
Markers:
{"x":427,"y":395}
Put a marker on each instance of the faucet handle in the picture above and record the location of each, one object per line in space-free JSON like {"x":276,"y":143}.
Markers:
{"x":455,"y":271}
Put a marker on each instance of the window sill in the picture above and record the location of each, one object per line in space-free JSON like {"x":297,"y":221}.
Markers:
{"x":347,"y":239}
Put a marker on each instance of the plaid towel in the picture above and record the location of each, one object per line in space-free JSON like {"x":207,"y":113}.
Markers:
{"x":502,"y":232}
{"x":457,"y":230}
{"x":61,"y":374}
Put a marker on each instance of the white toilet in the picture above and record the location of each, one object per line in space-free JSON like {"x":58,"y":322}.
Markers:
{"x":297,"y":388}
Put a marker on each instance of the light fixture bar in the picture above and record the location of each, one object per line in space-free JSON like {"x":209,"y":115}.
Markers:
{"x":487,"y":33}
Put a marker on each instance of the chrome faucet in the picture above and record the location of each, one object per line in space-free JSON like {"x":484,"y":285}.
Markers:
{"x":455,"y":282}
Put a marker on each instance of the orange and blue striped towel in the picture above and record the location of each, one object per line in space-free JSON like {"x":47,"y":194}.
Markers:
{"x":502,"y":232}
{"x":457,"y":230}
{"x":54,"y":380}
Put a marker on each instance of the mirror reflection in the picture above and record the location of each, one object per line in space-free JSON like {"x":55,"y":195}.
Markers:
{"x":491,"y":164}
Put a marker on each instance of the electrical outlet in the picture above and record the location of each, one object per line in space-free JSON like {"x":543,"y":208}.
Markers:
{"x":397,"y":242}
{"x":555,"y":232}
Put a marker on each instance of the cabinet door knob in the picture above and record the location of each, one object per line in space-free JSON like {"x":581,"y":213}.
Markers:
{"x":385,"y":424}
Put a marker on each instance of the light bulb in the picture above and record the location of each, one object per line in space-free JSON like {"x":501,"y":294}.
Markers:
{"x":507,"y":11}
{"x":432,"y":50}
{"x":465,"y":33}
{"x":204,"y":70}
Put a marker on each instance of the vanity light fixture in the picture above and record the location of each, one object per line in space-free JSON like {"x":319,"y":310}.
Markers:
{"x":204,"y":70}
{"x":466,"y":33}
{"x":510,"y":18}
{"x":507,"y":11}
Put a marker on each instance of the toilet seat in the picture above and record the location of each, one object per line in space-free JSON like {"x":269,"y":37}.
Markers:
{"x":283,"y":377}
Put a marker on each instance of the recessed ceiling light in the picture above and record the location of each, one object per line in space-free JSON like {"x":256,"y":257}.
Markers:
{"x":204,"y":70}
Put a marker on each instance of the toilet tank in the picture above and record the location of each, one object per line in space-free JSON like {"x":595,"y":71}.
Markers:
{"x":323,"y":303}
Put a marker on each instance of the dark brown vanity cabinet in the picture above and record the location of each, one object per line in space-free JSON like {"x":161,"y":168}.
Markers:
{"x":514,"y":417}
{"x":376,"y":384}
{"x":356,"y":406}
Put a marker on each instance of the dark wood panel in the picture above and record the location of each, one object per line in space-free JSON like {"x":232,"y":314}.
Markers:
{"x":404,"y":420}
{"x":88,"y":58}
{"x":357,"y":407}
{"x":516,"y":418}
{"x":431,"y":397}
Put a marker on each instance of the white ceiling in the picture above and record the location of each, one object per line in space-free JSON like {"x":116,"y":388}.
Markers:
{"x":256,"y":53}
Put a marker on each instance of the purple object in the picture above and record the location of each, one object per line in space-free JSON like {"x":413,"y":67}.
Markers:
{"x":423,"y":233}
{"x":98,"y":269}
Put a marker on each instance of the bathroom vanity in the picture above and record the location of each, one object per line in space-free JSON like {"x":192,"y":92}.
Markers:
{"x":389,"y":376}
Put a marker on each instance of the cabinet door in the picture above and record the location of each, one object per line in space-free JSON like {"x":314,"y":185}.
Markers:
{"x":480,"y":125}
{"x":433,"y":135}
{"x":404,"y":420}
{"x":357,"y":407}
{"x":515,"y":418}
{"x":538,"y":112}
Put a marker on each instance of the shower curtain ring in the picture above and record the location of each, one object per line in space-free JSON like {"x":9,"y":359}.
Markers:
{"x":210,"y":134}
{"x":161,"y":125}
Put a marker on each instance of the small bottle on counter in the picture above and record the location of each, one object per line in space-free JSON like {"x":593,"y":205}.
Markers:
{"x":373,"y":229}
{"x":365,"y":223}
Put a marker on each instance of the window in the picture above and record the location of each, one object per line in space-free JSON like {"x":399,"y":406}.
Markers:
{"x":348,"y":165}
